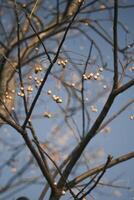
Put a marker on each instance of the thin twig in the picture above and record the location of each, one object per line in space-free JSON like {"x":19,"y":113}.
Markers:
{"x":115,"y":44}
{"x":93,"y":171}
{"x":82,"y":90}
{"x":124,"y":87}
{"x":87,"y":184}
{"x":38,"y":36}
{"x":98,"y":179}
{"x":58,"y":13}
{"x":56,"y":166}
{"x":116,"y":114}
{"x":19,"y":60}
{"x":35,"y":5}
{"x":49,"y":69}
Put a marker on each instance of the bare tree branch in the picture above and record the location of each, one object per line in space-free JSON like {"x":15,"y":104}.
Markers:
{"x":115,"y":44}
{"x":95,"y":170}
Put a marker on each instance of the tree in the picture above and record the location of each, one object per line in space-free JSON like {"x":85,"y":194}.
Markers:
{"x":50,"y":89}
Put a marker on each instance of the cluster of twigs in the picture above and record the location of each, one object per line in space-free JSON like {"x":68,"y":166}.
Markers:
{"x":63,"y":23}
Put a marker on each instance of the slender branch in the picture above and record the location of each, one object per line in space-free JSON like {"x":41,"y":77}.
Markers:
{"x":82,"y":90}
{"x":95,"y":170}
{"x":49,"y":69}
{"x":115,"y":44}
{"x":11,"y":123}
{"x":58,"y":13}
{"x":32,"y":149}
{"x":124,"y":87}
{"x":86,"y":185}
{"x":56,"y":166}
{"x":6,"y":109}
{"x":39,"y":38}
{"x":45,"y":189}
{"x":123,"y":108}
{"x":22,"y":86}
{"x":43,"y":168}
{"x":98,"y":179}
{"x":41,"y":153}
{"x":81,"y":146}
{"x":33,"y":9}
{"x":19,"y":59}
